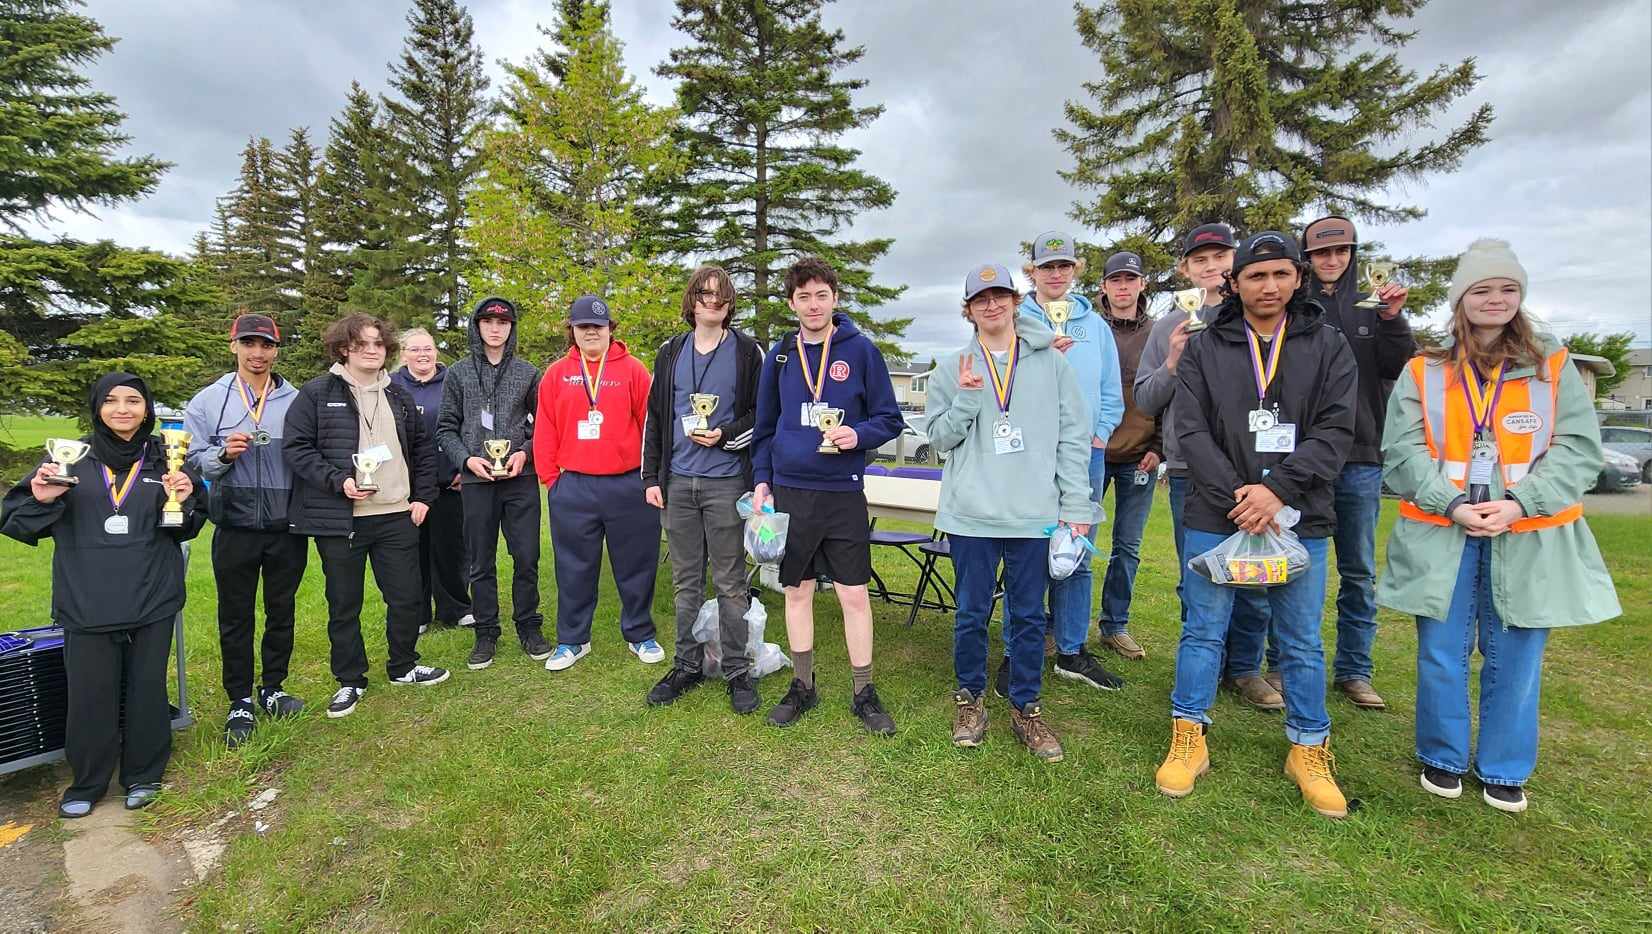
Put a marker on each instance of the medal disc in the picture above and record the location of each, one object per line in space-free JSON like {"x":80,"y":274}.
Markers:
{"x":1001,"y":430}
{"x":1264,"y":420}
{"x":594,"y":417}
{"x":260,"y":437}
{"x":117,"y":524}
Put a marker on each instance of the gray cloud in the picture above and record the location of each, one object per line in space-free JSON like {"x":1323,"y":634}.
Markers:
{"x":972,"y":90}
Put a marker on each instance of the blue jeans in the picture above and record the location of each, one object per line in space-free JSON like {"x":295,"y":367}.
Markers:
{"x":1510,"y":681}
{"x":1358,"y":502}
{"x":1250,"y":607}
{"x":1070,"y":599}
{"x":1295,"y":607}
{"x":1131,"y":504}
{"x":1026,"y":573}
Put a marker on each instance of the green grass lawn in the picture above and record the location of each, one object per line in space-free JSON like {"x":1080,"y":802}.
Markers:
{"x":514,"y":798}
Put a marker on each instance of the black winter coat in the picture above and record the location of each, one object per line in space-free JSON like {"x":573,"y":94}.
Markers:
{"x":1381,"y":347}
{"x":323,"y":432}
{"x":658,"y":432}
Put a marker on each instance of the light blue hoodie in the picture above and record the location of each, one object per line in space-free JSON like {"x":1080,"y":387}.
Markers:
{"x":1095,"y":358}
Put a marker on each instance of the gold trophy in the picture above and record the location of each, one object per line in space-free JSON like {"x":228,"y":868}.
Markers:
{"x":703,"y":403}
{"x":498,"y":449}
{"x":65,"y":453}
{"x":1059,"y":312}
{"x":176,"y":443}
{"x":1377,"y":275}
{"x":829,"y":419}
{"x":365,"y":465}
{"x":1190,"y":301}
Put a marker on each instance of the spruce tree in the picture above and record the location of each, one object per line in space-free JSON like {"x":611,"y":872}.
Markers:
{"x":567,"y":180}
{"x":763,"y":106}
{"x":1261,"y":113}
{"x":342,"y":220}
{"x":262,"y":259}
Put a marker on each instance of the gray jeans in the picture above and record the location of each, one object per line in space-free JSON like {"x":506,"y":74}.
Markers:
{"x":701,"y":528}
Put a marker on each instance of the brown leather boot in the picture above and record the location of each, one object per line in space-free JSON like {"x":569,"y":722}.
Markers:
{"x":1362,"y":695}
{"x":1029,"y":727}
{"x":969,"y":722}
{"x":1256,"y":692}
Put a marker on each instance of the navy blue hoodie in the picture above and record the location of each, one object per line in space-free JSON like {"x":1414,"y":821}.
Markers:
{"x":784,"y":450}
{"x":427,"y":396}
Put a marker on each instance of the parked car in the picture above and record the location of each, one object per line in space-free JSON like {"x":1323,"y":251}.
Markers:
{"x":1619,"y":473}
{"x":1635,"y":442}
{"x":913,"y":442}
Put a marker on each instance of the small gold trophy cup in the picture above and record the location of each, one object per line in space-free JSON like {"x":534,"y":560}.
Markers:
{"x":703,"y":403}
{"x":365,"y":465}
{"x":1377,"y":275}
{"x":829,"y":419}
{"x":1059,"y":312}
{"x":65,"y":453}
{"x":1190,"y":301}
{"x":176,"y":444}
{"x":498,"y":449}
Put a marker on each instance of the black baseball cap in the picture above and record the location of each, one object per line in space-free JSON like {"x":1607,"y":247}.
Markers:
{"x":494,"y":307}
{"x":1124,"y":262}
{"x":1269,"y":244}
{"x":252,"y":325}
{"x":589,"y":309}
{"x":1208,"y":235}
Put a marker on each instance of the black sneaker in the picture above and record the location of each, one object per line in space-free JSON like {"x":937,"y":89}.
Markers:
{"x":742,"y":693}
{"x":344,"y":702}
{"x":421,"y":676}
{"x":798,"y":701}
{"x":481,"y":656}
{"x":1001,"y":679}
{"x":1442,"y":783}
{"x":238,"y":727}
{"x":1082,"y":666}
{"x":535,"y":645}
{"x":675,"y":684}
{"x":871,"y":713}
{"x":1511,"y":798}
{"x":278,"y":703}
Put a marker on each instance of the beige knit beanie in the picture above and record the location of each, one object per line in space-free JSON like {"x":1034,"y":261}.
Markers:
{"x":1485,"y":259}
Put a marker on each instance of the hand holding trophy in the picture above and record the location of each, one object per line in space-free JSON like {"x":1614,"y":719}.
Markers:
{"x":497,"y":450}
{"x":1190,"y":301}
{"x":176,"y":444}
{"x":829,"y":419}
{"x":1059,"y":312}
{"x":1377,"y":275}
{"x":366,"y":462}
{"x":65,"y":453}
{"x":703,"y":404}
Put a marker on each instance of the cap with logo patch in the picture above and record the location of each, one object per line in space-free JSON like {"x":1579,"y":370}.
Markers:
{"x":251,"y":325}
{"x":589,"y":309}
{"x":496,"y":308}
{"x":1053,"y":246}
{"x":1261,"y":247}
{"x":1122,"y":263}
{"x":1328,"y":232}
{"x":1208,"y":235}
{"x":989,"y":276}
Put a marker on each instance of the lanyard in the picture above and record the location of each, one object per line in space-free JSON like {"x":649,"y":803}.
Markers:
{"x":593,"y":387}
{"x":118,"y":493}
{"x":1482,"y":394}
{"x":1003,"y":385}
{"x":1265,"y":372}
{"x":694,"y":354}
{"x":256,"y":414}
{"x":817,"y":383}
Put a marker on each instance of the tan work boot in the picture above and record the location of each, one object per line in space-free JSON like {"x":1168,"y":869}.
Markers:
{"x":1256,"y":692}
{"x":1188,"y":759}
{"x":969,"y":723}
{"x":1124,"y":646}
{"x":1362,"y":695}
{"x":1275,"y":680}
{"x":1029,"y":727}
{"x":1311,"y":767}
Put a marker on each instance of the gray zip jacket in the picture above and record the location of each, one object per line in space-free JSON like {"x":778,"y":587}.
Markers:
{"x":1156,"y":384}
{"x":511,"y":389}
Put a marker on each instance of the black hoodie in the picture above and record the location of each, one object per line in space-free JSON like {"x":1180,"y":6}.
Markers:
{"x":1381,"y":349}
{"x":509,"y":390}
{"x":1315,"y":391}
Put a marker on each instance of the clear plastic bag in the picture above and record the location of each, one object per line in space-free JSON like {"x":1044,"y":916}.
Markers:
{"x":766,"y":657}
{"x":765,"y":531}
{"x":1270,"y":559}
{"x":1067,"y":550}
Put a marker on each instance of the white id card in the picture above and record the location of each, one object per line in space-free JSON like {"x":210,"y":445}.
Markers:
{"x":1010,"y":443}
{"x":691,"y":424}
{"x":487,"y":420}
{"x":380,"y":452}
{"x":589,"y":430}
{"x":1480,"y":465}
{"x":810,"y":413}
{"x":1280,"y":439}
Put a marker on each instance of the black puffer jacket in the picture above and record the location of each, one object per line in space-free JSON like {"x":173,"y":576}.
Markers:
{"x":323,"y":432}
{"x":1381,"y":348}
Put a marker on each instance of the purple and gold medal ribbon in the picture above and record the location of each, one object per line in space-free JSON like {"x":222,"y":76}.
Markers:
{"x":118,"y":493}
{"x":1003,"y":385}
{"x":1265,"y":372}
{"x":816,"y":383}
{"x":1482,"y":394}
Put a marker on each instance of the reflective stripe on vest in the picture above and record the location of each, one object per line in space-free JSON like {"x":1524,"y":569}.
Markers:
{"x":1523,"y":424}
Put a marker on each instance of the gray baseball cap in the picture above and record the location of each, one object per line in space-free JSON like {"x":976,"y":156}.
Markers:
{"x":988,"y":276}
{"x":1123,"y":262}
{"x":1053,"y":246}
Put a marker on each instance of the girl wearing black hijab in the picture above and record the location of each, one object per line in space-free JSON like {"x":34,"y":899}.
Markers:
{"x":117,"y":584}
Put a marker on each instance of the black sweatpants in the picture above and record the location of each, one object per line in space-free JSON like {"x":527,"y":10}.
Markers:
{"x":239,"y":556}
{"x":512,"y":506}
{"x":443,"y":560}
{"x":586,"y":510}
{"x":392,"y":542}
{"x":96,"y":664}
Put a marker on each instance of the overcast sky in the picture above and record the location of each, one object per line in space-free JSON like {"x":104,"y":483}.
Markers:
{"x":971,"y":89}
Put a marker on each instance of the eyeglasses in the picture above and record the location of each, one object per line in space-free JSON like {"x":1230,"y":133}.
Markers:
{"x":709,"y":298}
{"x":983,"y":302}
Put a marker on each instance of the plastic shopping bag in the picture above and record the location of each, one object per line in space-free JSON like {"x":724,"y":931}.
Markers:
{"x":1266,"y":560}
{"x":766,"y":657}
{"x":765,"y":531}
{"x":1067,"y":550}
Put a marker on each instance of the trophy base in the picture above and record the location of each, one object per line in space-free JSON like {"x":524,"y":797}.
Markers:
{"x":367,"y":487}
{"x":171,"y":520}
{"x":828,"y":448}
{"x":499,"y":473}
{"x":62,"y":480}
{"x":699,"y":433}
{"x":1368,"y":303}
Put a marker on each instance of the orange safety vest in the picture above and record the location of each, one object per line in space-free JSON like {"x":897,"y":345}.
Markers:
{"x":1523,"y":423}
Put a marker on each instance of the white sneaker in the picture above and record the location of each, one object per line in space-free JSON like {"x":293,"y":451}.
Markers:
{"x":565,"y":656}
{"x":648,"y":652}
{"x":467,"y":620}
{"x":422,"y":675}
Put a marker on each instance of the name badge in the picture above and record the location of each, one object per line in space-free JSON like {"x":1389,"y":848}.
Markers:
{"x":1007,"y":440}
{"x":380,"y":453}
{"x":810,"y":413}
{"x":691,"y":424}
{"x":117,"y":525}
{"x":588,"y":430}
{"x":1481,"y":464}
{"x":1280,"y":439}
{"x":487,"y":420}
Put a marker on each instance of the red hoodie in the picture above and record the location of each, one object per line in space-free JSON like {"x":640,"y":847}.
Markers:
{"x":563,"y":404}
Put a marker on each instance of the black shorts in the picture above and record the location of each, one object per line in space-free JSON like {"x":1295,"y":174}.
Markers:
{"x":829,"y":536}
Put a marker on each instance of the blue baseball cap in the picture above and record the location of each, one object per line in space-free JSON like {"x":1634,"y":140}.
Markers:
{"x":989,"y":276}
{"x":589,"y":309}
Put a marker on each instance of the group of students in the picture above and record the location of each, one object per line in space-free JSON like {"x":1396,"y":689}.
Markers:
{"x":1489,"y":440}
